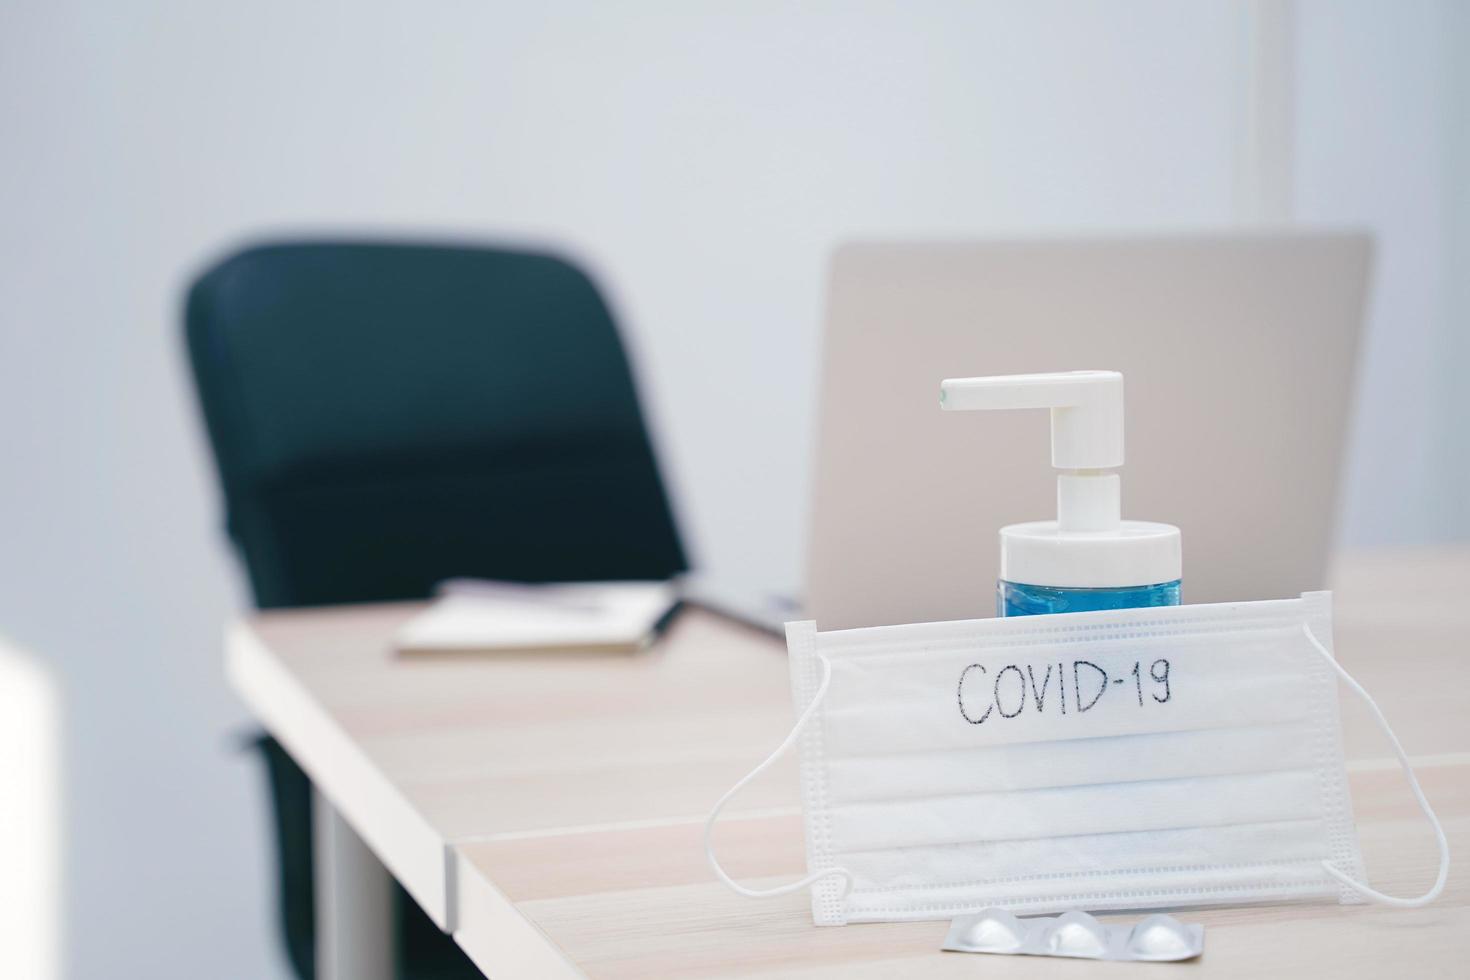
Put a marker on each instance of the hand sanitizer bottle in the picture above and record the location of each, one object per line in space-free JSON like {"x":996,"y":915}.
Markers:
{"x":1088,"y":558}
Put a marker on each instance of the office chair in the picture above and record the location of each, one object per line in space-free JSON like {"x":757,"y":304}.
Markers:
{"x":387,"y":416}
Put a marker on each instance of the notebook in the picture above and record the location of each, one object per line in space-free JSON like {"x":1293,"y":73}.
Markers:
{"x":472,"y":616}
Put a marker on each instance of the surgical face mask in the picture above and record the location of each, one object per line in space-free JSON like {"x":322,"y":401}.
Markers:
{"x":1129,"y":759}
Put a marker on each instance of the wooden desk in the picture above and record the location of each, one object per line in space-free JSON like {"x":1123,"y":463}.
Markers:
{"x":547,"y":809}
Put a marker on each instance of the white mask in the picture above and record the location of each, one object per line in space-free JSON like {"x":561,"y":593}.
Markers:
{"x":1134,"y":758}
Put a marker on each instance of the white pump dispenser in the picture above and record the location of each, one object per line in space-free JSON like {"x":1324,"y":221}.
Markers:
{"x":1089,"y":545}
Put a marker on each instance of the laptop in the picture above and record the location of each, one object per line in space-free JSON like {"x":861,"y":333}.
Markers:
{"x":1238,"y":356}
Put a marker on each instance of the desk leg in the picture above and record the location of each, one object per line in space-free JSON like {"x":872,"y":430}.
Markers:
{"x":354,"y":901}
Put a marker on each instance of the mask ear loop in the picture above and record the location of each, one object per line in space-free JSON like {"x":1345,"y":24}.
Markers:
{"x":1444,"y":844}
{"x":709,"y":825}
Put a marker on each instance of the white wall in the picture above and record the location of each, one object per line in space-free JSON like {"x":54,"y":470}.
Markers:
{"x":703,"y":162}
{"x":1383,"y":141}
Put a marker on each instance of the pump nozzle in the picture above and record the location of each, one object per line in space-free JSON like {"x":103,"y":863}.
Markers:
{"x":1086,"y":410}
{"x":1086,"y":434}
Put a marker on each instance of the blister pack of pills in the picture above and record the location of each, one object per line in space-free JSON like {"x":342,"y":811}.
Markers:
{"x":1158,"y":938}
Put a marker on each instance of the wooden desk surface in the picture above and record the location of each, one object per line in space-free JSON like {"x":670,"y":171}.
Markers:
{"x":548,"y":808}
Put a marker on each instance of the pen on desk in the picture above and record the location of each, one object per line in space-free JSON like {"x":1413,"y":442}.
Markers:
{"x":664,"y":621}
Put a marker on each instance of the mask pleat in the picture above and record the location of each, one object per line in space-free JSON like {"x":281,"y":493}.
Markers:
{"x":870,"y":778}
{"x":1280,"y":841}
{"x":1146,"y":888}
{"x":1165,"y":804}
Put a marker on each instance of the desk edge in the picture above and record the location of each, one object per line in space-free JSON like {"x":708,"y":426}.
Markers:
{"x":397,"y":833}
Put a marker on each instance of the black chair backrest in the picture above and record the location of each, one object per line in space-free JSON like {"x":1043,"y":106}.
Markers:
{"x":387,"y":416}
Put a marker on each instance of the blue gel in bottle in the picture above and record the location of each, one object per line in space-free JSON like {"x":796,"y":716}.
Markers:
{"x":1015,"y":599}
